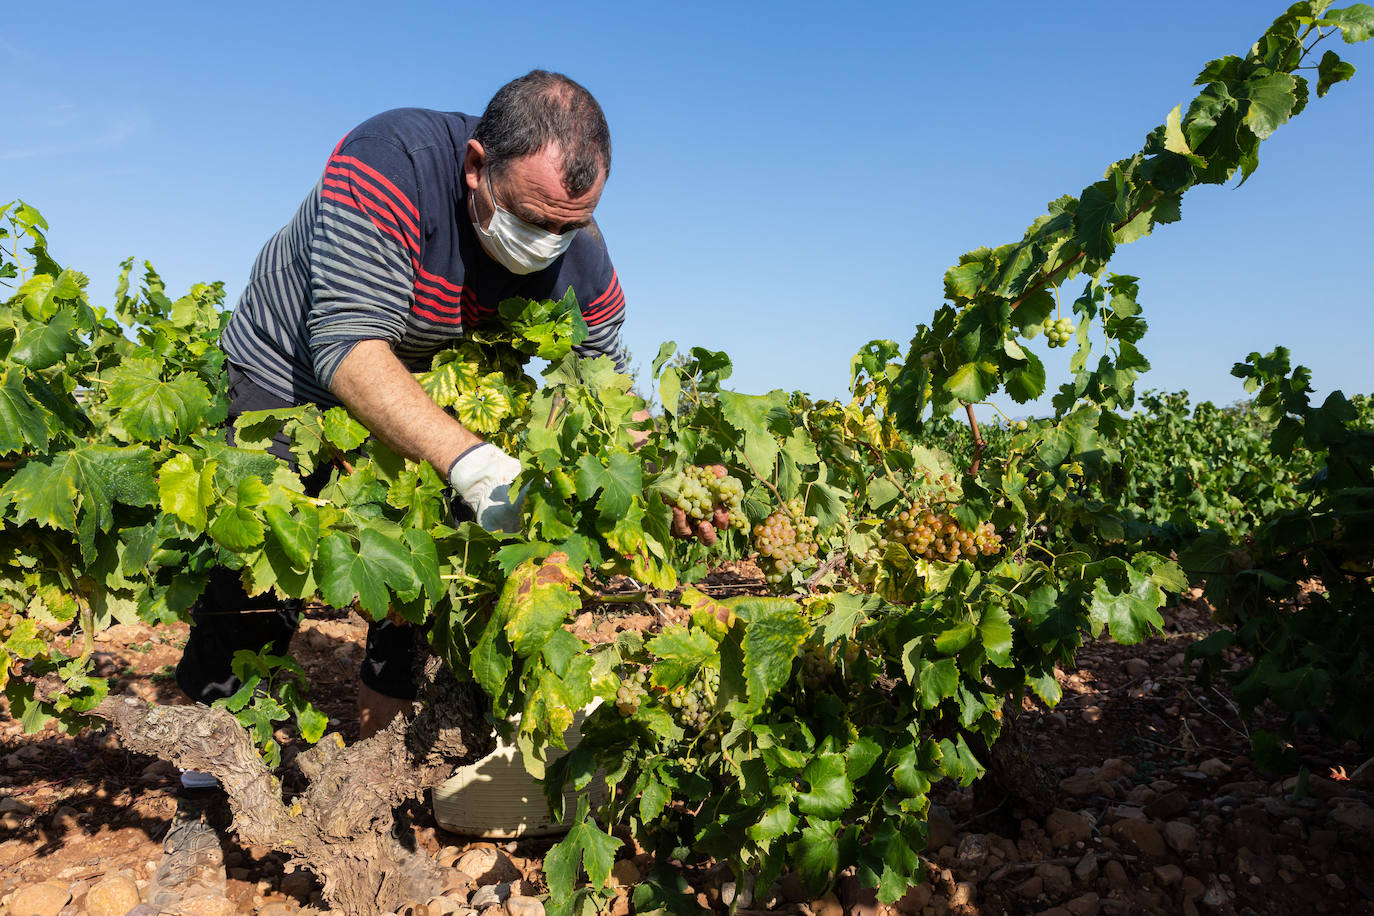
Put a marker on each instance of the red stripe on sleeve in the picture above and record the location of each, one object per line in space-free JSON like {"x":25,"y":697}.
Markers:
{"x":441,"y":319}
{"x":394,"y":233}
{"x":355,"y":182}
{"x":605,"y":313}
{"x":386,"y":182}
{"x":435,"y":278}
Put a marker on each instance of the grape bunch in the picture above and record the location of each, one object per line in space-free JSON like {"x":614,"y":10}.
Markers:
{"x":816,"y":668}
{"x":1059,"y":331}
{"x":695,"y":701}
{"x":931,"y":532}
{"x":707,"y":500}
{"x":785,"y":540}
{"x":631,"y":694}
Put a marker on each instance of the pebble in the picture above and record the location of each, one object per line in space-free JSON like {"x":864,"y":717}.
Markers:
{"x":1088,"y":904}
{"x":972,"y":850}
{"x":1214,"y":767}
{"x":44,"y":899}
{"x":829,"y":905}
{"x":1168,"y":875}
{"x":1056,"y":879}
{"x":11,"y":805}
{"x":1091,"y":714}
{"x":1135,"y":667}
{"x":112,"y":896}
{"x":1030,"y":888}
{"x":962,"y":895}
{"x":1181,"y":837}
{"x":1143,"y":834}
{"x":489,"y":895}
{"x":524,"y":906}
{"x":1086,"y":869}
{"x":1065,"y":827}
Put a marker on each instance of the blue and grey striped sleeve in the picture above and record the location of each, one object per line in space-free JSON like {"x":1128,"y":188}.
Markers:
{"x":364,"y":251}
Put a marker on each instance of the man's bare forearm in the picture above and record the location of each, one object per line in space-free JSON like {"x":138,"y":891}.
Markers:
{"x":380,"y":391}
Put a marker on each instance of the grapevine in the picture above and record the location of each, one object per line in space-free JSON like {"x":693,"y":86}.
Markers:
{"x":114,"y":461}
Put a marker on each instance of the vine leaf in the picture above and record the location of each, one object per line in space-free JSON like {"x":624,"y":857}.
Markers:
{"x":774,"y":632}
{"x":377,"y":564}
{"x":831,"y":791}
{"x":585,"y":847}
{"x":681,"y":654}
{"x":22,"y":424}
{"x":152,"y":409}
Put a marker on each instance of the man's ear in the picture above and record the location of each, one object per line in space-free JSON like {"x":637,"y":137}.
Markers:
{"x":474,"y":159}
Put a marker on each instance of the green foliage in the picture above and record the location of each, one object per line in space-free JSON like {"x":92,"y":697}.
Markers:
{"x":1295,"y":589}
{"x":804,"y":726}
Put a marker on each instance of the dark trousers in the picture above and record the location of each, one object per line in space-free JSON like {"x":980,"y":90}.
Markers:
{"x":226,"y":619}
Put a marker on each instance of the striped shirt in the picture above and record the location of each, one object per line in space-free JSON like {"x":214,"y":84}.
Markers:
{"x":383,"y":249}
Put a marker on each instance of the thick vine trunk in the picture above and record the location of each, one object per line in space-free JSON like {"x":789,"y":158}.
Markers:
{"x":341,"y":826}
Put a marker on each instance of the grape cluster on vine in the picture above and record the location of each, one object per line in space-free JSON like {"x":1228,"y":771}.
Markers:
{"x":1059,"y":331}
{"x":785,"y":540}
{"x":708,"y":500}
{"x":816,"y":668}
{"x":930,"y":531}
{"x":631,"y":693}
{"x":694,"y":702}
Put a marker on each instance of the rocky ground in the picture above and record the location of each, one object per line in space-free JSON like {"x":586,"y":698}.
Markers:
{"x":1160,"y":810}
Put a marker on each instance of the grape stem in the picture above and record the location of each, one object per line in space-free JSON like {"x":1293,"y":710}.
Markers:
{"x":978,"y":442}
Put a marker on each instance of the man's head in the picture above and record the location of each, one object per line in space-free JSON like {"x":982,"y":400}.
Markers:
{"x":541,"y":111}
{"x":541,"y":152}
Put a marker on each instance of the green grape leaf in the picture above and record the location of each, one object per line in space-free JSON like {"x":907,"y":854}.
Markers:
{"x":831,"y":791}
{"x":774,"y":633}
{"x":22,"y":425}
{"x":1332,"y":70}
{"x":342,"y":431}
{"x":1132,"y":612}
{"x":47,"y":343}
{"x":937,"y":681}
{"x":1356,"y":22}
{"x":618,"y":483}
{"x":996,"y":634}
{"x":775,"y":822}
{"x":587,"y":847}
{"x":186,"y":492}
{"x":378,"y":564}
{"x":817,"y":854}
{"x":973,"y":381}
{"x":296,"y":534}
{"x":151,"y":409}
{"x":1271,"y":103}
{"x":681,"y":653}
{"x":235,"y":524}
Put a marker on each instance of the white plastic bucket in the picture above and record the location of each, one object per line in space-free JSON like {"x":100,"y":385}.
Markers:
{"x":495,"y":797}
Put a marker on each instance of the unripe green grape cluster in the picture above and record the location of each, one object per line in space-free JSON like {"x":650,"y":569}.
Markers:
{"x":785,"y":540}
{"x":1059,"y":331}
{"x":631,"y":694}
{"x":694,"y":702}
{"x":816,"y":668}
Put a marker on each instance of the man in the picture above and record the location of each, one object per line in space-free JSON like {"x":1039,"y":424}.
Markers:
{"x":422,"y":222}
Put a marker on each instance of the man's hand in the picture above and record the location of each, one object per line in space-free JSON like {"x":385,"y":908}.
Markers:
{"x":482,"y":476}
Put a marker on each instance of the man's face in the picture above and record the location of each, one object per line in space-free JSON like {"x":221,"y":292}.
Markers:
{"x":531,"y":188}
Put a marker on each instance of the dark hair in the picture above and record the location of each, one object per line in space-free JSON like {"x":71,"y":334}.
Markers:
{"x":541,"y":109}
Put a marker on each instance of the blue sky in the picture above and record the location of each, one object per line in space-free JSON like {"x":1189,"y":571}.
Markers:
{"x":790,"y":179}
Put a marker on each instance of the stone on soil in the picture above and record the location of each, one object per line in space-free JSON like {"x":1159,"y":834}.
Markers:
{"x":1066,"y":827}
{"x":112,"y":896}
{"x":1143,"y":834}
{"x":524,"y":906}
{"x":43,"y":899}
{"x":1181,"y":837}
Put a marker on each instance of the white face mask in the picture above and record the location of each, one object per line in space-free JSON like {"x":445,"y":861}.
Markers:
{"x":515,"y":244}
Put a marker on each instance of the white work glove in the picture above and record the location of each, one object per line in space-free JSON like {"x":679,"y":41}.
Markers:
{"x":482,"y":476}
